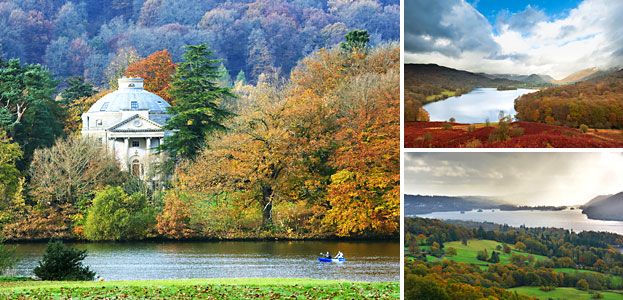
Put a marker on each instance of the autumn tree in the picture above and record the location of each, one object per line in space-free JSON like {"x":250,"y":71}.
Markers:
{"x":11,"y":180}
{"x":71,"y":168}
{"x":119,"y":64}
{"x":75,"y":109}
{"x":175,"y":220}
{"x":197,"y":111}
{"x":157,"y":70}
{"x":252,"y":162}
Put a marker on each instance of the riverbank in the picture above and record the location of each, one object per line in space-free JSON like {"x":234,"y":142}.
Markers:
{"x":234,"y":288}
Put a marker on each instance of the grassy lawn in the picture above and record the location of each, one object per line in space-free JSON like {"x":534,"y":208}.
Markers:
{"x":617,"y":279}
{"x":565,"y":293}
{"x":467,"y":254}
{"x":239,"y":288}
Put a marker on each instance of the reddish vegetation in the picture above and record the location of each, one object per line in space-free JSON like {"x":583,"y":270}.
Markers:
{"x":535,"y":135}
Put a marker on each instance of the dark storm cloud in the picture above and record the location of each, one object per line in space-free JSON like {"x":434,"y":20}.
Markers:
{"x":446,"y":26}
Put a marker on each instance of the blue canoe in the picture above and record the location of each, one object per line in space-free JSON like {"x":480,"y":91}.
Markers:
{"x":331,"y":259}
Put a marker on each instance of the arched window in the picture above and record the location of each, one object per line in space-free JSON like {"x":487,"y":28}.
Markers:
{"x":136,"y":168}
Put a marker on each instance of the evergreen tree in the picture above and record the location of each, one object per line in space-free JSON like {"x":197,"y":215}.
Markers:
{"x":197,"y":111}
{"x":356,"y":41}
{"x":241,"y":78}
{"x":224,"y":78}
{"x":77,"y":88}
{"x":62,"y":262}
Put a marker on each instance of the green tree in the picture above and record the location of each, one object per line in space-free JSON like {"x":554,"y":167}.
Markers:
{"x":241,"y":78}
{"x":451,"y":251}
{"x":7,"y":259}
{"x":495,"y":258}
{"x":117,"y":216}
{"x":482,"y":255}
{"x":424,"y":288}
{"x":62,"y":262}
{"x":197,"y":111}
{"x":9,"y":175}
{"x":582,"y":285}
{"x":224,"y":78}
{"x":77,"y":88}
{"x":356,"y":41}
{"x":27,"y":112}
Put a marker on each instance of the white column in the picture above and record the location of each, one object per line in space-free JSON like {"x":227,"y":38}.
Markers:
{"x":147,"y":161}
{"x":126,"y":145}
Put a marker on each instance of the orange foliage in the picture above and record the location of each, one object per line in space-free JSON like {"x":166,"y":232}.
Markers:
{"x":174,"y":221}
{"x":157,"y":69}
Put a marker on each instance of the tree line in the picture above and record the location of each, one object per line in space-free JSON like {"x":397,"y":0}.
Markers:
{"x":92,"y":39}
{"x":315,"y":155}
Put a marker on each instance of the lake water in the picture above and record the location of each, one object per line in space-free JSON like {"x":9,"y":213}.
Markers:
{"x":366,"y":261}
{"x":567,"y":219}
{"x":476,"y":106}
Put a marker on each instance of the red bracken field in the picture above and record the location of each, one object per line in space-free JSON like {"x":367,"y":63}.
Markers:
{"x":535,"y":135}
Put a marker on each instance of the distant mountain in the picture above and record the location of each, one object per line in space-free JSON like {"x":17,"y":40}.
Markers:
{"x":577,"y":76}
{"x":533,"y":79}
{"x":422,"y":204}
{"x":606,"y":207}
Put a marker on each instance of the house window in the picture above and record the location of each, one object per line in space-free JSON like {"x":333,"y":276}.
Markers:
{"x":135,"y":144}
{"x":134,"y":105}
{"x":104,"y":106}
{"x":98,"y":122}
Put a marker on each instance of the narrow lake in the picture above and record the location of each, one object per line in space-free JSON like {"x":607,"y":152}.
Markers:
{"x":567,"y":219}
{"x":476,"y":106}
{"x":366,"y":261}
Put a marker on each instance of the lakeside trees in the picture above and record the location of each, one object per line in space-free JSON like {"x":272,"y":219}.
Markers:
{"x":314,"y":155}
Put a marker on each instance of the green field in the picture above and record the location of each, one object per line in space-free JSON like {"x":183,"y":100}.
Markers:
{"x":564,"y":293}
{"x":261,"y":288}
{"x":467,"y":254}
{"x":444,"y":93}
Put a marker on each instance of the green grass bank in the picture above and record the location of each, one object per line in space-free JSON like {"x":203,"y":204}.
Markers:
{"x":235,"y":288}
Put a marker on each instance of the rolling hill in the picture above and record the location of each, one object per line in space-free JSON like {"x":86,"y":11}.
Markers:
{"x":422,"y":204}
{"x":605,"y":207}
{"x":577,"y":76}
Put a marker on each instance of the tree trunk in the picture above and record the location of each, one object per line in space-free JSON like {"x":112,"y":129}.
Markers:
{"x":267,"y":204}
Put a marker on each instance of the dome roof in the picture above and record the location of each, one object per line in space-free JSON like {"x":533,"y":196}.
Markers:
{"x":130,"y":96}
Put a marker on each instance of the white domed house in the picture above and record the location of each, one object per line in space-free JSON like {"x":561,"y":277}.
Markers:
{"x":129,"y":121}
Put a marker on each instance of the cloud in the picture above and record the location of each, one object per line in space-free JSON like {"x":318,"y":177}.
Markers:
{"x":449,"y":27}
{"x":522,"y":178}
{"x":525,"y":42}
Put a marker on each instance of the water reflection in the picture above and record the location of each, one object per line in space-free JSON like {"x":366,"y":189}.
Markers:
{"x":476,"y":106}
{"x":367,"y":261}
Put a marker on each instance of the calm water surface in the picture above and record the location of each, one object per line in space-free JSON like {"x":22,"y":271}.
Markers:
{"x":476,"y":106}
{"x":366,"y":261}
{"x":567,"y":219}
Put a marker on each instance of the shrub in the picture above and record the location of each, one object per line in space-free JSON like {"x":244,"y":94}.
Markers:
{"x":471,"y":128}
{"x":582,"y":285}
{"x":547,"y":288}
{"x":475,"y":143}
{"x":62,"y":262}
{"x":446,"y":125}
{"x":584,"y":128}
{"x":7,"y":260}
{"x":117,"y":216}
{"x":482,"y":255}
{"x":517,"y":131}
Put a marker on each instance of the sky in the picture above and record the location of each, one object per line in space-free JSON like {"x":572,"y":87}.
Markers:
{"x":552,"y":178}
{"x":555,"y":38}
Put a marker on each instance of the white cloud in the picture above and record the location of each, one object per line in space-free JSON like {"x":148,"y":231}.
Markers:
{"x":526,"y":42}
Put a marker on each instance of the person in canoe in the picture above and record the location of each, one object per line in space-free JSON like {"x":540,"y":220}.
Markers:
{"x":339,"y":255}
{"x":326,"y":255}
